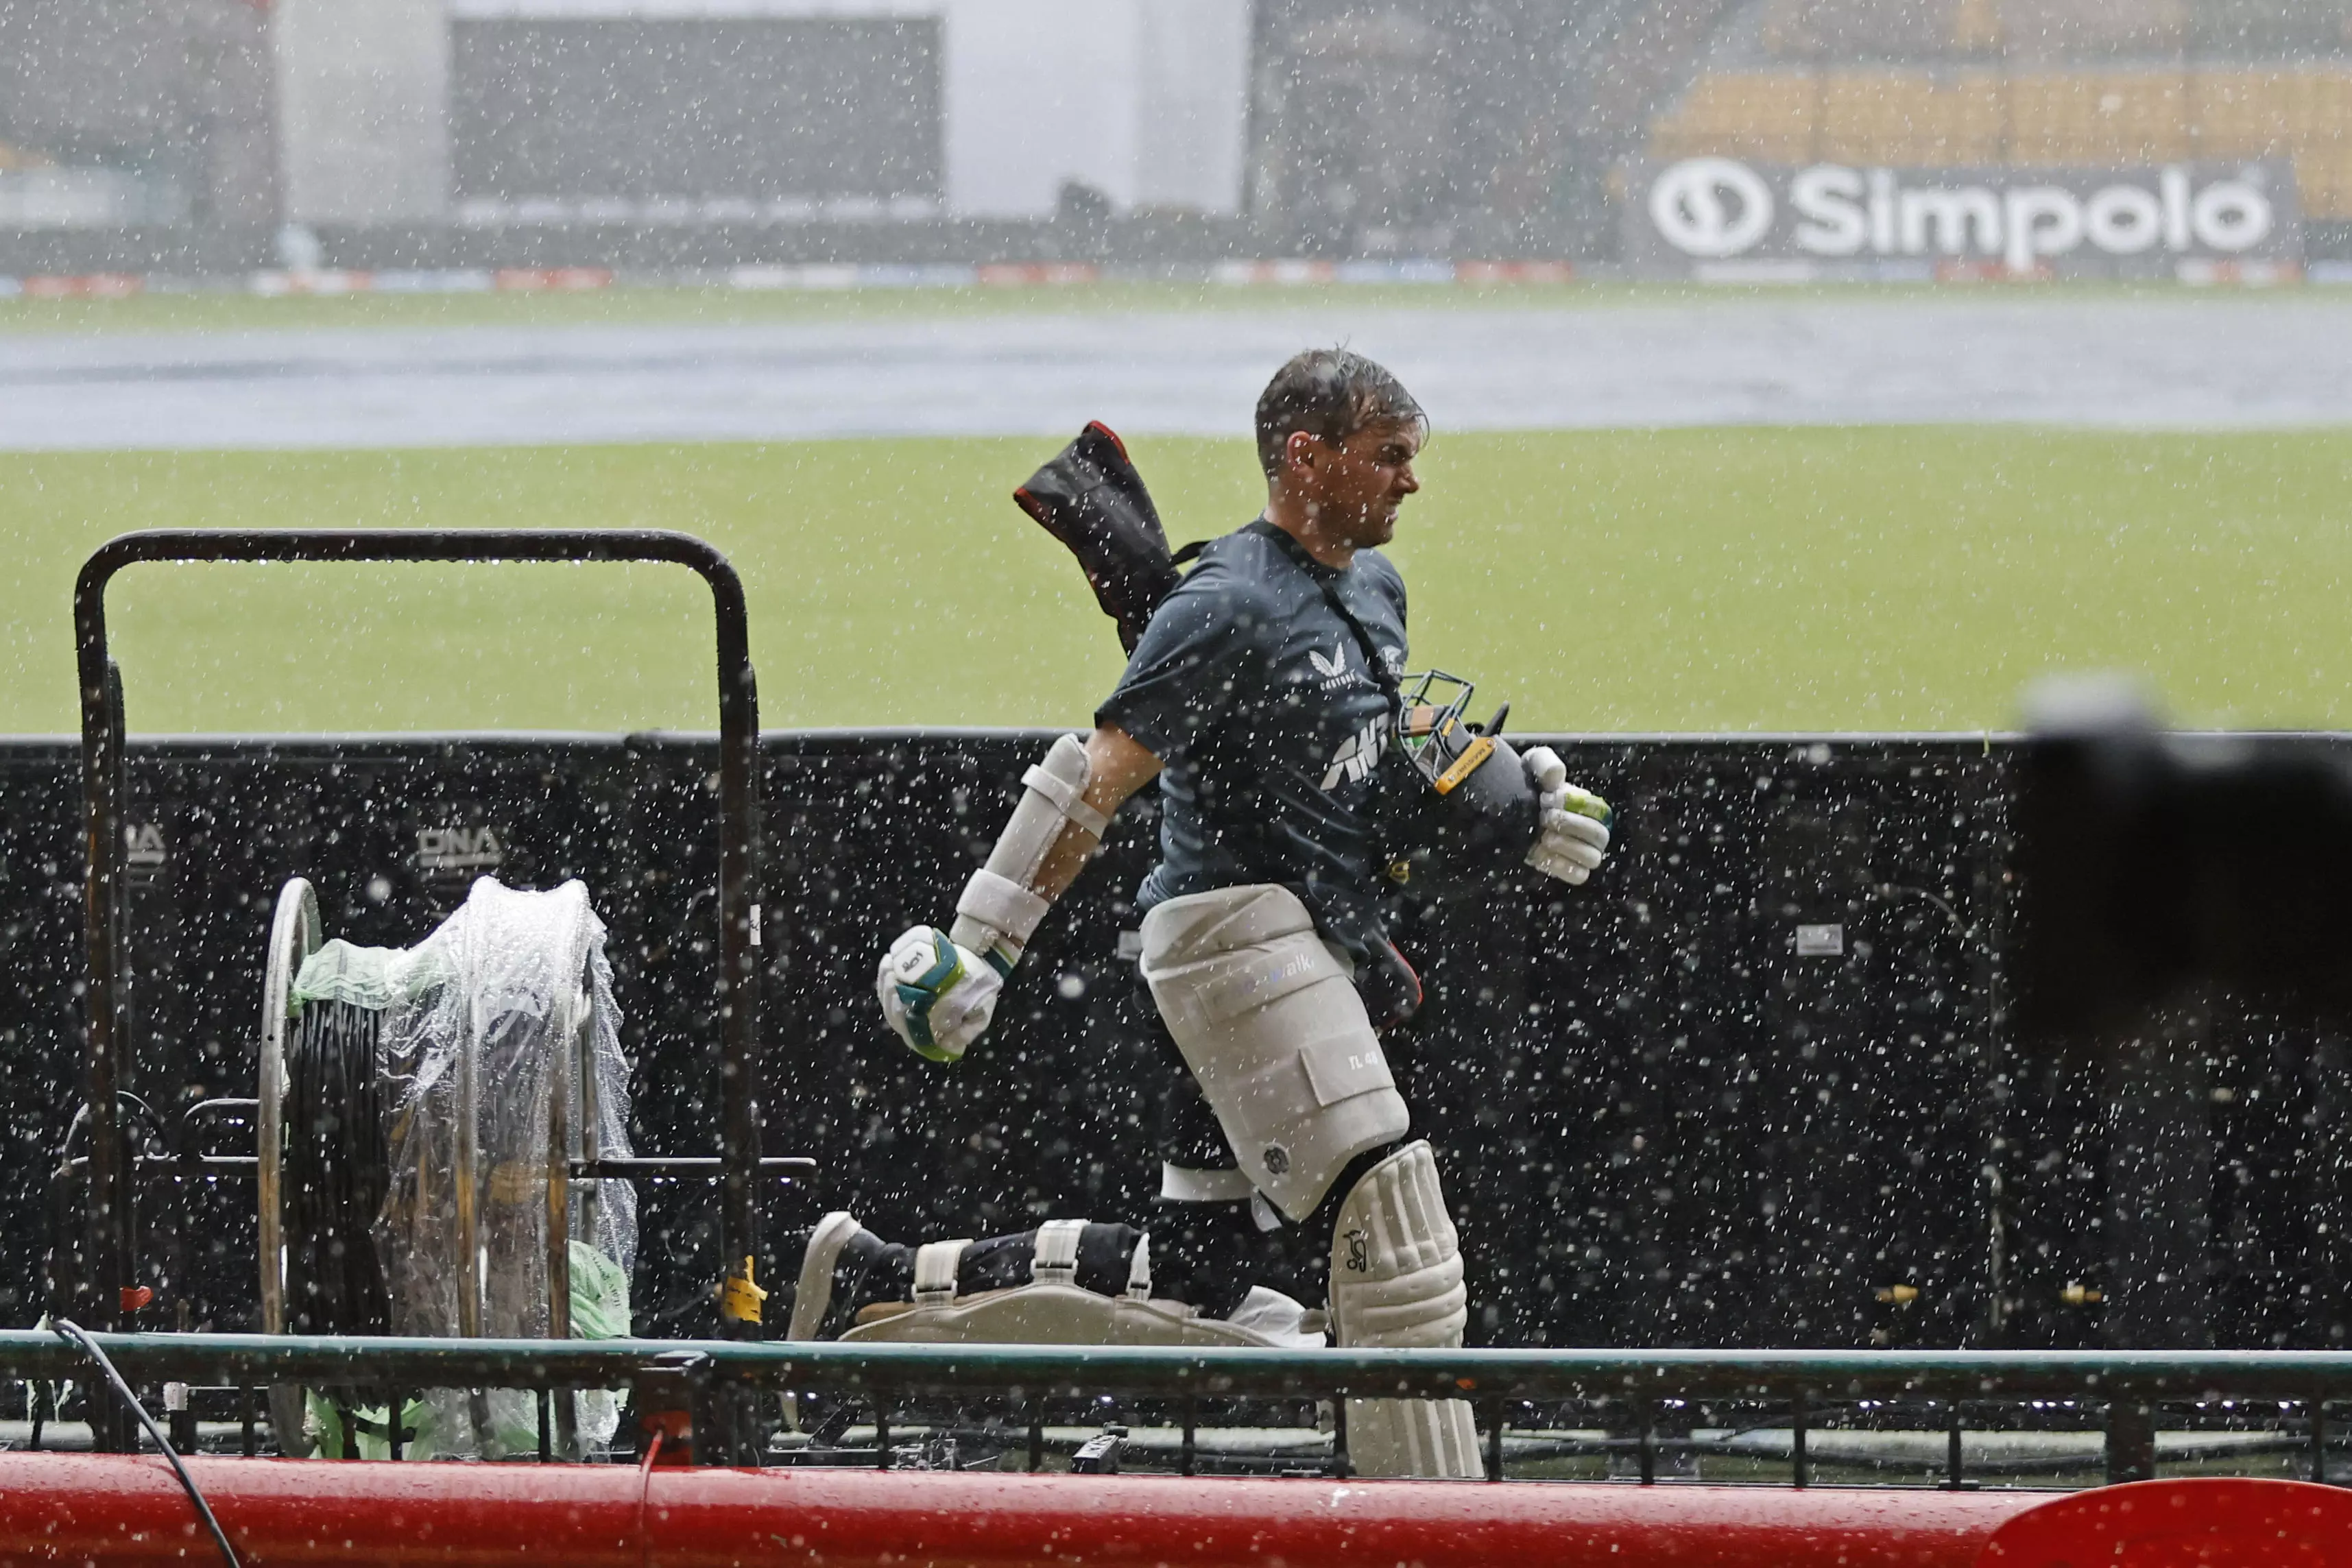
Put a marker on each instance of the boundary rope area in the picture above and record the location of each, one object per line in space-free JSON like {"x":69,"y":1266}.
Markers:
{"x":2119,"y":1390}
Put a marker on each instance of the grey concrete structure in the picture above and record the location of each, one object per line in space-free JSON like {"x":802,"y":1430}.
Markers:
{"x":172,"y":94}
{"x":362,"y":109}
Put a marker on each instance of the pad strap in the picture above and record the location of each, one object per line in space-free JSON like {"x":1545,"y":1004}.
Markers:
{"x":1138,"y":1269}
{"x":1002,"y":905}
{"x":1068,"y":797}
{"x":1186,"y":1184}
{"x":935,"y":1269}
{"x":1055,"y":1260}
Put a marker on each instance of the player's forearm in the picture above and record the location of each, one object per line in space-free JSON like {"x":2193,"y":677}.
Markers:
{"x":1067,"y":804}
{"x":1117,"y":766}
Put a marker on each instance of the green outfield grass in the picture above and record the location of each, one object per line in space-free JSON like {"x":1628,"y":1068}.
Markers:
{"x":1744,"y":580}
{"x":214,"y":311}
{"x":217,"y":310}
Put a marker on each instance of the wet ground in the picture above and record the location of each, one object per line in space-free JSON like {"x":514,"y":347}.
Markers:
{"x":2168,"y":362}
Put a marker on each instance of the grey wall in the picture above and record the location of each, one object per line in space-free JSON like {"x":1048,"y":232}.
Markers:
{"x":174,"y":91}
{"x":695,"y":108}
{"x":362,"y":109}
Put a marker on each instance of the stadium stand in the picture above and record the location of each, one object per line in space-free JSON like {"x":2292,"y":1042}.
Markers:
{"x":2043,"y":83}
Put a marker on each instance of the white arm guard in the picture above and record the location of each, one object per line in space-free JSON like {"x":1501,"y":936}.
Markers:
{"x":998,"y":912}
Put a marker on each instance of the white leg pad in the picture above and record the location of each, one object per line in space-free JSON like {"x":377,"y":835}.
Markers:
{"x":997,"y":898}
{"x":1273,"y":1029}
{"x":814,"y":1297}
{"x":1052,"y":1314}
{"x":1396,"y":1280}
{"x":1053,"y":1309}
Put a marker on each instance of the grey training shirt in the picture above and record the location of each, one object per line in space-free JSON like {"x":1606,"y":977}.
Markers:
{"x":1254,"y":694}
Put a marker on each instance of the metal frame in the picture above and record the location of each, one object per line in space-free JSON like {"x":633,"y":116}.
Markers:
{"x":2125,"y":1385}
{"x":294,"y":936}
{"x":102,"y":754}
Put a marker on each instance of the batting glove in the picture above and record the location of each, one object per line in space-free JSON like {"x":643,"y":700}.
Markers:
{"x":1573,"y":824}
{"x":938,"y":997}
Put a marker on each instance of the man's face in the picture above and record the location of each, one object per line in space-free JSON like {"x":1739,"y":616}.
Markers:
{"x":1355,"y":487}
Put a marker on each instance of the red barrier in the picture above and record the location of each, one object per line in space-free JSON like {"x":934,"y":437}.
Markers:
{"x":123,"y":1512}
{"x":981,"y":1521}
{"x":113,"y":1512}
{"x":2177,"y":1525}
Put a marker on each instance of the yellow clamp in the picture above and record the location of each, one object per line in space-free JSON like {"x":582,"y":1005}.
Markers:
{"x":1477,"y":751}
{"x":740,"y":1297}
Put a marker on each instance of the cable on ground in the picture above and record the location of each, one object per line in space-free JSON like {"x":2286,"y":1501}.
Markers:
{"x":75,"y":1334}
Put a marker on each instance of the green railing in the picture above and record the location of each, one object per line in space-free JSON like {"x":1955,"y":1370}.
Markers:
{"x":2119,"y":1390}
{"x":1059,"y":1370}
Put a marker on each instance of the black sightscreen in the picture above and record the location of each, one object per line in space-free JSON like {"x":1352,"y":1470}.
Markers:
{"x":1755,"y":1075}
{"x":637,"y":110}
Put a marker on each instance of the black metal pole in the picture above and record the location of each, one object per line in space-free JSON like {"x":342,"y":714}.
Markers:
{"x":1800,"y":1473}
{"x":2130,"y":1441}
{"x":107,"y":1247}
{"x":112,"y":1271}
{"x":740,"y":937}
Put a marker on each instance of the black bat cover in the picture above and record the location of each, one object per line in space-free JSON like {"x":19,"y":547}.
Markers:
{"x":1090,"y":497}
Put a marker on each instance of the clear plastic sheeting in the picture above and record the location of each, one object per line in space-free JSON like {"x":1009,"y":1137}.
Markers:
{"x":501,"y":1061}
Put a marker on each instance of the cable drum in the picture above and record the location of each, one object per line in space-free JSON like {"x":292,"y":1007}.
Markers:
{"x":294,"y":936}
{"x":336,"y":1168}
{"x":423,"y":1110}
{"x":325,"y":1170}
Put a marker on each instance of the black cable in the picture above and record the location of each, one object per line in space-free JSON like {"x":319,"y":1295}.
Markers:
{"x":337,"y":1171}
{"x":73,"y":1333}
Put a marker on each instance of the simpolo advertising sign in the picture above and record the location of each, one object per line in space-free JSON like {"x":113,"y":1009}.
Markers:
{"x":1723,"y":217}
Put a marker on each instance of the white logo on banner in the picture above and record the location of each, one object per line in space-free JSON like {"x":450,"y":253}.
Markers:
{"x":144,"y":846}
{"x":1714,"y":208}
{"x":459,"y":849}
{"x":1686,"y":202}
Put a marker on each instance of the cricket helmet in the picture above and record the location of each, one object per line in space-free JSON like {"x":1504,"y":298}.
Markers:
{"x":1459,"y":808}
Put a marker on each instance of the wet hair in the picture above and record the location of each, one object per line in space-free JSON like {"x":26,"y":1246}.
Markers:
{"x":1330,"y":394}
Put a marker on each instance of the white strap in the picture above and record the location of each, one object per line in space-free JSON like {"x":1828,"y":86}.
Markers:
{"x":935,"y":1269}
{"x":1055,"y":1262}
{"x":1068,"y":799}
{"x":1002,"y":905}
{"x":1183,"y":1183}
{"x":1138,"y":1269}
